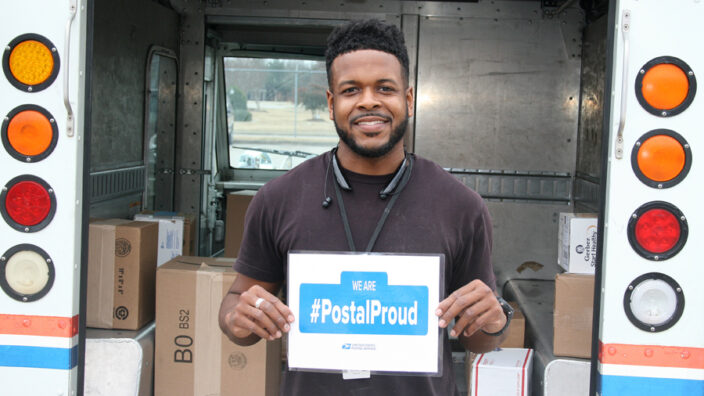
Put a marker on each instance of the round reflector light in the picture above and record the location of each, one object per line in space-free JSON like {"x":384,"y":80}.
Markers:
{"x":31,"y":62}
{"x":27,"y":203}
{"x":661,"y":158}
{"x":653,"y":302}
{"x":26,"y":273}
{"x":665,"y":86}
{"x":657,"y":230}
{"x":29,"y":133}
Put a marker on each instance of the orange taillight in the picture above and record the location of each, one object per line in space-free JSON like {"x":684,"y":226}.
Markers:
{"x":29,"y":133}
{"x":665,"y":86}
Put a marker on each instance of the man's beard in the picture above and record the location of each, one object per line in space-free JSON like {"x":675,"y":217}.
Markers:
{"x":376,"y":152}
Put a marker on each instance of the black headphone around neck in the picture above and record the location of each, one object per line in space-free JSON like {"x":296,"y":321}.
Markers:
{"x":342,"y":181}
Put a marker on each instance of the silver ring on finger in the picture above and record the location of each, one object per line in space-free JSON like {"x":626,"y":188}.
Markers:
{"x":258,"y":303}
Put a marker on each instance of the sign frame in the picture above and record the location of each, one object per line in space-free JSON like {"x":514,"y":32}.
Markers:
{"x":369,"y":346}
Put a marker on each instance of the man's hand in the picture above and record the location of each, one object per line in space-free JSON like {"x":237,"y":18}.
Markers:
{"x":254,"y":313}
{"x":475,"y":307}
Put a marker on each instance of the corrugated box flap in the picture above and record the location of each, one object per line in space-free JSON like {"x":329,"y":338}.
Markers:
{"x":101,"y":271}
{"x":210,"y":261}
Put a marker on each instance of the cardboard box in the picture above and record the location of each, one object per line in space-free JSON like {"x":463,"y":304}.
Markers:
{"x":504,"y":372}
{"x":572,"y":316}
{"x":121,"y":273}
{"x":237,"y":204}
{"x":577,"y":235}
{"x":193,"y":356}
{"x":516,"y":329}
{"x":176,"y":234}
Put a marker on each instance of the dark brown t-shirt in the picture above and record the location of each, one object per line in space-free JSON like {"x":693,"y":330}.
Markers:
{"x":434,"y":213}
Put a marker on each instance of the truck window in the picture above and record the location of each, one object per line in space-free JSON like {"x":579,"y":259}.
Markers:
{"x":276,"y":112}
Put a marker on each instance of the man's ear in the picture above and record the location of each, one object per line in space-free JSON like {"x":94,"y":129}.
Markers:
{"x":330,"y":100}
{"x":409,"y":100}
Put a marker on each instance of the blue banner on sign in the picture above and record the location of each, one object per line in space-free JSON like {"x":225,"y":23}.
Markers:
{"x":363,"y":303}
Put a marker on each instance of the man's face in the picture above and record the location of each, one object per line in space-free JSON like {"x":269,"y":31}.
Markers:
{"x":369,"y":101}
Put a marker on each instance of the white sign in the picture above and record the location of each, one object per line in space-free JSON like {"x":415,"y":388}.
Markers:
{"x":365,"y":311}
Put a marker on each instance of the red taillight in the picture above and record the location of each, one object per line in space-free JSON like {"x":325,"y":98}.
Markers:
{"x":28,"y":203}
{"x":657,"y":230}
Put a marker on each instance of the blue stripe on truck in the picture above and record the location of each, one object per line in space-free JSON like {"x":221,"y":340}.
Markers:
{"x":38,"y":357}
{"x":614,"y":385}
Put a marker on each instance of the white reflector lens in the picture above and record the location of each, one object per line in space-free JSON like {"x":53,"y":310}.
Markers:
{"x":653,"y":302}
{"x":27,"y":272}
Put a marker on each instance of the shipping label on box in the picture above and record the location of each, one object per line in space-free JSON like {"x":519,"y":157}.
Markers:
{"x":121,"y":274}
{"x":504,"y":372}
{"x":572,"y":315}
{"x":577,"y":236}
{"x":193,"y":356}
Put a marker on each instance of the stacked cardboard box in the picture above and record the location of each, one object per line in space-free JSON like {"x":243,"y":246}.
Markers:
{"x":502,"y":372}
{"x":176,"y":234}
{"x":515,"y":338}
{"x":577,"y":248}
{"x":572,"y":315}
{"x":193,"y":356}
{"x":574,"y":290}
{"x":121,"y":273}
{"x":516,"y":329}
{"x":237,"y":204}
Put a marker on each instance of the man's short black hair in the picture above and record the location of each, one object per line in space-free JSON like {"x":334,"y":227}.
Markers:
{"x":366,"y":34}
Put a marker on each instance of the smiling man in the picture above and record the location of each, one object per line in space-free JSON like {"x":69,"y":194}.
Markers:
{"x":386,"y":200}
{"x":370,"y":102}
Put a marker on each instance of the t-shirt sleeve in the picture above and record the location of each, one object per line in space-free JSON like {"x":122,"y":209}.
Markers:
{"x":475,"y":258}
{"x":259,"y":257}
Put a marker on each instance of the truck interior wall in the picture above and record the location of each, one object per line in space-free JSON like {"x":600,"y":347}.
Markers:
{"x":121,"y":42}
{"x":499,"y":92}
{"x":497,"y":98}
{"x":591,"y":116}
{"x":498,"y":88}
{"x":191,"y":117}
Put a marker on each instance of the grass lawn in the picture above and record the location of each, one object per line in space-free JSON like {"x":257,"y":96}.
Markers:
{"x":283,"y":119}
